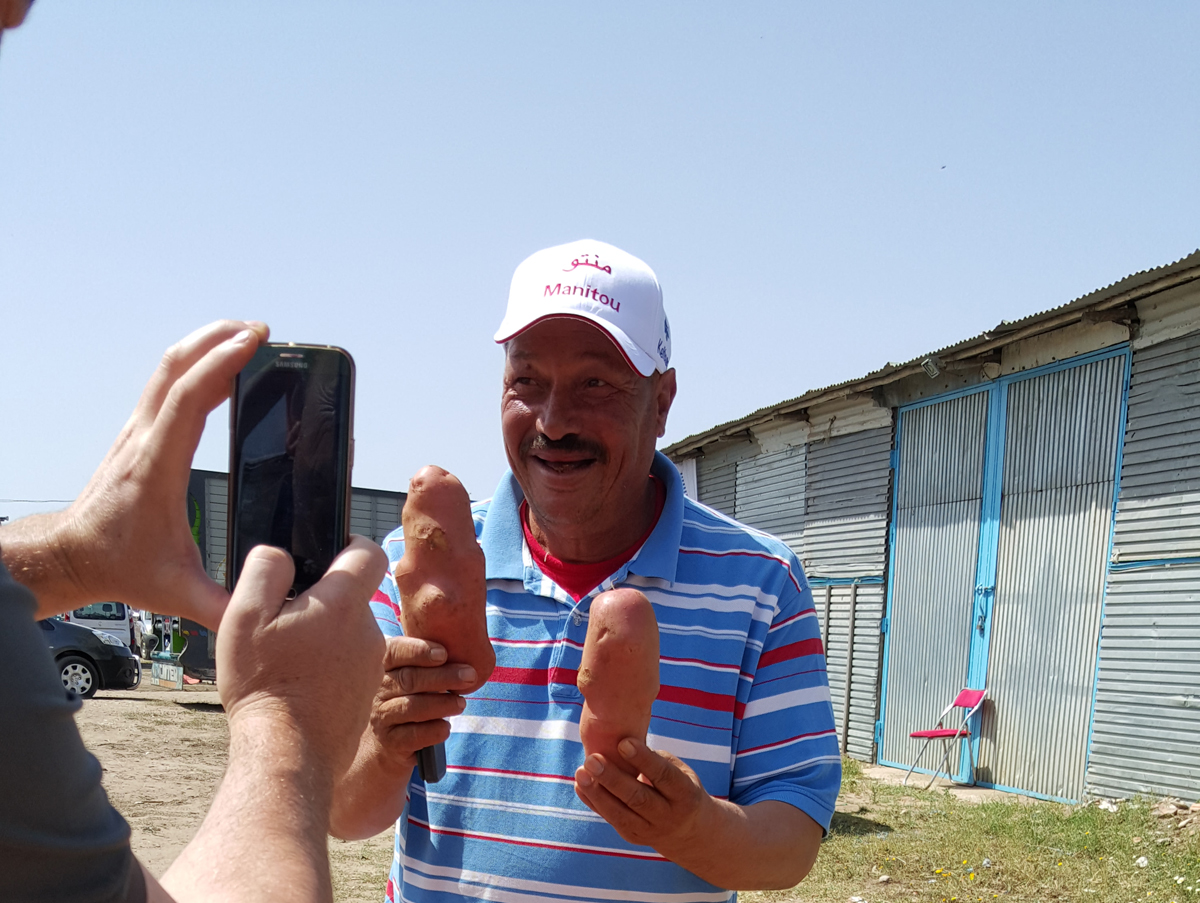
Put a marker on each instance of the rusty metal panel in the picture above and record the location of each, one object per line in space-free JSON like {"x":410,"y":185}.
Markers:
{"x":939,"y":487}
{"x":1055,"y":517}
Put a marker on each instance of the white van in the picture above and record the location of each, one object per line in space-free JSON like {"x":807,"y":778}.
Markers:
{"x":111,"y":617}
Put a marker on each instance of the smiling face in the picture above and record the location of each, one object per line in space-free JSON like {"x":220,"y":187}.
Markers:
{"x":580,"y":426}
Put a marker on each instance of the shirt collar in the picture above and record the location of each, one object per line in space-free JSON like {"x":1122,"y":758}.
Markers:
{"x":504,"y":543}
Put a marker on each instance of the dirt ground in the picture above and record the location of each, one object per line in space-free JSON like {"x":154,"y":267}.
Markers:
{"x":163,"y":753}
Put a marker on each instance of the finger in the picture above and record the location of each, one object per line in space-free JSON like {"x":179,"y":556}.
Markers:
{"x":414,"y":681}
{"x":262,"y":586}
{"x":184,"y":354}
{"x":350,"y":581}
{"x":404,"y":739}
{"x":407,"y":651}
{"x":668,"y":774}
{"x":180,"y":419}
{"x":207,"y":600}
{"x":429,"y":707}
{"x":629,"y":824}
{"x":636,"y":795}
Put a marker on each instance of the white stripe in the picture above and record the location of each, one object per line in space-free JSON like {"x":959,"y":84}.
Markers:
{"x":690,"y":749}
{"x":471,"y":802}
{"x":795,"y":766}
{"x":494,"y":883}
{"x":647,"y":854}
{"x":805,"y":696}
{"x":703,"y":666}
{"x":568,"y":730}
{"x":514,"y":727}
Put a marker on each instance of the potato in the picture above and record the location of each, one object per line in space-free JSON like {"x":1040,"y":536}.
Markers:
{"x":618,"y":675}
{"x":441,"y":578}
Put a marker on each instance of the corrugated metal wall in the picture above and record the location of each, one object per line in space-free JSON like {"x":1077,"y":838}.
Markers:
{"x":770,"y":494}
{"x":846,"y":525}
{"x":1147,"y":720}
{"x":1056,"y":503}
{"x":834,"y":603}
{"x":374,"y":514}
{"x":845,"y":539}
{"x":1147,"y":712}
{"x":939,"y":491}
{"x":217,"y":525}
{"x":716,"y":475}
{"x":1158,"y":514}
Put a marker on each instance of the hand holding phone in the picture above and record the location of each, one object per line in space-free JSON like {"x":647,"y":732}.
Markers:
{"x":291,"y":427}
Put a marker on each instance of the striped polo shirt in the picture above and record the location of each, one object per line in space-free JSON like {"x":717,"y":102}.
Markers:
{"x":744,"y":701}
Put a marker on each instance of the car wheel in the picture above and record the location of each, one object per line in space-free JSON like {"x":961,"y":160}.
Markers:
{"x":137,"y":680}
{"x":79,"y":675}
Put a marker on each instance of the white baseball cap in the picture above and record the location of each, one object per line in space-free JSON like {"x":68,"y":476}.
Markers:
{"x":593,"y":281}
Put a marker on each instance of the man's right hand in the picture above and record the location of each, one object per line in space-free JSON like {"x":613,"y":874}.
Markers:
{"x":419,"y":691}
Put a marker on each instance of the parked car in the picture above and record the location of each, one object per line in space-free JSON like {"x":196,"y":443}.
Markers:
{"x":111,"y":617}
{"x":89,"y":660}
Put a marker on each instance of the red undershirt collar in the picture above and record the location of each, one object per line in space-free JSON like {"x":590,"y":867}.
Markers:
{"x":579,"y":579}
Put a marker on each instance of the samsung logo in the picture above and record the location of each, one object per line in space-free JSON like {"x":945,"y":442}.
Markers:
{"x":293,"y":365}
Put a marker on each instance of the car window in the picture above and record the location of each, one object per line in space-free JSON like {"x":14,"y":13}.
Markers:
{"x":102,"y":611}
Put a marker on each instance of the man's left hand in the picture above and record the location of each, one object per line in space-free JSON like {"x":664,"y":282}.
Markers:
{"x":666,"y":807}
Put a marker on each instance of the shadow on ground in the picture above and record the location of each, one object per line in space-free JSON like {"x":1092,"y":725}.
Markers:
{"x":201,"y":706}
{"x":856,"y":825}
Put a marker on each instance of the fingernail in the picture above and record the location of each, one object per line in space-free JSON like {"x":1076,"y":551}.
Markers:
{"x":246,"y":336}
{"x":584,"y":779}
{"x":626,"y":749}
{"x":437,"y":653}
{"x":594,"y":765}
{"x":462,"y":703}
{"x":466,"y":674}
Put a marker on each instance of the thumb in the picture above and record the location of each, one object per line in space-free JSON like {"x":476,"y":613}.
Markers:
{"x":263,"y":585}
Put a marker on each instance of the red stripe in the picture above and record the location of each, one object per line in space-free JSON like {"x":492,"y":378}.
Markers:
{"x":715,"y":702}
{"x":384,"y":599}
{"x":742,"y":752}
{"x":791,"y":576}
{"x":534,"y":677}
{"x":531,"y":843}
{"x":791,"y":651}
{"x":390,"y":894}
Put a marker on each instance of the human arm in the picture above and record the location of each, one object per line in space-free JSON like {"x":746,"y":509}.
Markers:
{"x":768,"y":845}
{"x":126,"y":536}
{"x":407,"y":714}
{"x":785,"y":755}
{"x":296,"y":678}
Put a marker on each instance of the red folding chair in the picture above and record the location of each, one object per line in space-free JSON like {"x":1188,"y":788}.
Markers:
{"x":971,"y":700}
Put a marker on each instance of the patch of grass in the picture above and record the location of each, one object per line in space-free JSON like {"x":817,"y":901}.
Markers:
{"x":934,"y":848}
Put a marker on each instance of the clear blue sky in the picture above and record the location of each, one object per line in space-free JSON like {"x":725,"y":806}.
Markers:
{"x":821,"y":189}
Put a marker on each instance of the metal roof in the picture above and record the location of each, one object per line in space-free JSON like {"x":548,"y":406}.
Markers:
{"x":1119,"y":294}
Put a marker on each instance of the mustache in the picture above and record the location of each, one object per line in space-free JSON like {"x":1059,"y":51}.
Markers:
{"x":570,"y":444}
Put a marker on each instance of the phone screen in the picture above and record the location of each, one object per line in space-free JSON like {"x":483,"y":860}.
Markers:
{"x":291,"y":420}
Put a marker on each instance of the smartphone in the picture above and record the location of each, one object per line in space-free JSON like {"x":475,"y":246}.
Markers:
{"x":291,"y":428}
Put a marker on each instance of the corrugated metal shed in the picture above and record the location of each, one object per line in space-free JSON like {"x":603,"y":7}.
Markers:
{"x":939,"y":493}
{"x":1122,"y":293}
{"x":1147,"y":719}
{"x":1147,"y":716}
{"x":848,"y":485}
{"x":1158,"y":514}
{"x":770,"y":493}
{"x":1055,"y":517}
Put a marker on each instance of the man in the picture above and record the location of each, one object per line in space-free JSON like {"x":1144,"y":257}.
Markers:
{"x":292,"y":728}
{"x":745,"y":771}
